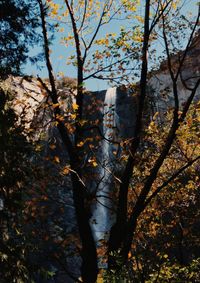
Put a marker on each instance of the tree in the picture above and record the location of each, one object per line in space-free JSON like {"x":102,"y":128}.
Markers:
{"x":14,"y":151}
{"x":117,"y":239}
{"x":164,"y":229}
{"x":19,"y":23}
{"x":81,"y":193}
{"x":141,"y":149}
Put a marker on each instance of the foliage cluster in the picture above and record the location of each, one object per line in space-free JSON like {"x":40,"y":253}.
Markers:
{"x":18,"y":33}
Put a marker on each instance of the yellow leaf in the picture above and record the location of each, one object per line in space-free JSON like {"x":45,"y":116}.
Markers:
{"x":82,"y":122}
{"x":174,"y":5}
{"x":55,"y":105}
{"x":94,"y":163}
{"x":56,"y":159}
{"x":38,"y":147}
{"x":80,"y":144}
{"x":18,"y":232}
{"x":65,"y":170}
{"x":75,"y":106}
{"x":140,"y":19}
{"x":73,"y":116}
{"x":59,"y":117}
{"x":54,"y":12}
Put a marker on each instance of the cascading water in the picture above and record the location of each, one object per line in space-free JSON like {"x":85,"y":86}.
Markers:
{"x":103,"y":215}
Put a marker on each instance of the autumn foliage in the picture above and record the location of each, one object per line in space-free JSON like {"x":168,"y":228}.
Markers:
{"x":47,"y":185}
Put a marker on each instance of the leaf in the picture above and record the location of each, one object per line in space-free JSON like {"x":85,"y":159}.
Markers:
{"x":17,"y":231}
{"x":82,"y":122}
{"x":73,"y":116}
{"x":75,"y":106}
{"x":55,"y":105}
{"x":56,"y":159}
{"x":129,"y":255}
{"x":94,"y":163}
{"x":38,"y":147}
{"x":66,"y":170}
{"x":52,"y":146}
{"x":80,"y":144}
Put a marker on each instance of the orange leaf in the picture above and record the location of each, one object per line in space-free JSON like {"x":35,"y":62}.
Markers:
{"x":56,"y":159}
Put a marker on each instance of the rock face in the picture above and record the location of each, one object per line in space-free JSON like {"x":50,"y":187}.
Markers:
{"x":160,"y":82}
{"x":50,"y":188}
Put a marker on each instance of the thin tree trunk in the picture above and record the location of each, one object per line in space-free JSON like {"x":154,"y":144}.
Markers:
{"x":119,"y":230}
{"x":89,"y":269}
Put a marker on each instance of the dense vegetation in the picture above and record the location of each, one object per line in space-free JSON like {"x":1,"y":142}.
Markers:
{"x":18,"y":32}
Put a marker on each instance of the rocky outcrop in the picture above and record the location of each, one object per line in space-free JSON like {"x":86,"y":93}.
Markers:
{"x":160,"y":82}
{"x":49,"y":202}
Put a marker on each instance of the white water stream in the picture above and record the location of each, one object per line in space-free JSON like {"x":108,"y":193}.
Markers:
{"x":103,"y":216}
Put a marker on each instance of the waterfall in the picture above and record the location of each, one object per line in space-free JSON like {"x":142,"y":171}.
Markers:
{"x":1,"y":204}
{"x":103,"y":215}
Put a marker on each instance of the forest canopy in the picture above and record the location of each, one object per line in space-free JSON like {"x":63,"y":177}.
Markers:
{"x":18,"y":33}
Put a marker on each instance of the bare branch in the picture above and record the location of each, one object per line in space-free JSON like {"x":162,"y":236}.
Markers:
{"x":84,"y":15}
{"x":108,"y":66}
{"x":95,"y":33}
{"x":188,"y":44}
{"x":168,"y":52}
{"x":80,"y":62}
{"x":174,"y":176}
{"x":189,"y":101}
{"x":160,"y":15}
{"x":118,"y":235}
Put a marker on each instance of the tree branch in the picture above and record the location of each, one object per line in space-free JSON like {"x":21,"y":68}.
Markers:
{"x":174,"y":176}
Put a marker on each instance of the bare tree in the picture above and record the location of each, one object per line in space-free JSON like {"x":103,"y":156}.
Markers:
{"x":122,"y":232}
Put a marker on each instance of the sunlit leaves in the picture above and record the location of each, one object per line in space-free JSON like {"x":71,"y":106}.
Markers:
{"x":66,"y":170}
{"x":80,"y":144}
{"x":93,"y":162}
{"x":140,"y":19}
{"x":99,"y":48}
{"x":54,"y":8}
{"x":56,"y":159}
{"x":130,"y":5}
{"x":75,"y":106}
{"x":173,"y":211}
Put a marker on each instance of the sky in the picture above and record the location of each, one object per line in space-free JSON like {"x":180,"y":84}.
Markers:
{"x":60,"y":53}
